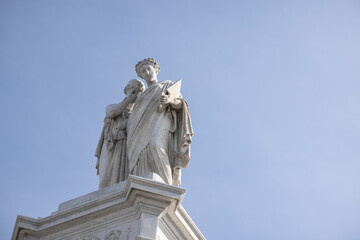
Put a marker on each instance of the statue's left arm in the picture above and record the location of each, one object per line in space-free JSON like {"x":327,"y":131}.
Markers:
{"x":176,"y":104}
{"x":183,"y":136}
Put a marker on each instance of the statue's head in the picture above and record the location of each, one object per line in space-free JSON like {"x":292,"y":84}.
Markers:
{"x":134,"y":86}
{"x":147,"y":69}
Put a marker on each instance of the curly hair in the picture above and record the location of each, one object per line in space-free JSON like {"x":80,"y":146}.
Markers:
{"x":146,"y":61}
{"x":135,"y":83}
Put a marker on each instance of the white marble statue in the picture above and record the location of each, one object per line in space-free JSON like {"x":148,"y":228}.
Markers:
{"x":158,"y":138}
{"x":112,"y":165}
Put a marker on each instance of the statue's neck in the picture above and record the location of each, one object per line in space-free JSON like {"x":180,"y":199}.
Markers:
{"x":152,"y":82}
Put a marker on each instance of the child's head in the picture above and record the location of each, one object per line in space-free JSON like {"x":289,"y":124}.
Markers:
{"x":134,"y":86}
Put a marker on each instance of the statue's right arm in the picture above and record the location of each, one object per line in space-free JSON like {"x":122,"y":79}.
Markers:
{"x":114,"y":110}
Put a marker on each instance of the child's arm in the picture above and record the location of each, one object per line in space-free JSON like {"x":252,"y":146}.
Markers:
{"x":114,"y":110}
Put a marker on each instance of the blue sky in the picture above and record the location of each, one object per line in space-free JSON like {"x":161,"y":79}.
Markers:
{"x":273,"y":89}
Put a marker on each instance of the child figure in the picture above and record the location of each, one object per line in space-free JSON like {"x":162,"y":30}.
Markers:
{"x":112,"y":163}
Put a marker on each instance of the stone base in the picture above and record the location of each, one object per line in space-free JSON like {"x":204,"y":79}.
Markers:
{"x":139,"y":208}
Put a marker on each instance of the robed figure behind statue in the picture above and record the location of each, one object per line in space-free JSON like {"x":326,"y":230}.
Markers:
{"x":112,"y":164}
{"x":158,"y":138}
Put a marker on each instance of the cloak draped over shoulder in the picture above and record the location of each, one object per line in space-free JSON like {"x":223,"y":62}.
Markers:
{"x":158,"y":141}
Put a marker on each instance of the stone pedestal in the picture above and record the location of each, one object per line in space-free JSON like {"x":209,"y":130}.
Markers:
{"x":139,"y":208}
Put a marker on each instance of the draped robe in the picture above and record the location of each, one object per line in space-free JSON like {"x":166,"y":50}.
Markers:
{"x":112,"y":162}
{"x":158,"y":142}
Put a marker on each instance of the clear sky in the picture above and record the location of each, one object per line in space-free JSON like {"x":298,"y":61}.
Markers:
{"x":273,"y":89}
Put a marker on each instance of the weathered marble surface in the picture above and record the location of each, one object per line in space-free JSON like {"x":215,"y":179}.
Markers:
{"x":156,"y":131}
{"x":112,"y":164}
{"x":139,"y":208}
{"x":159,"y":128}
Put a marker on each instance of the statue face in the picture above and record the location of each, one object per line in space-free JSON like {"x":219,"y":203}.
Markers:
{"x":148,"y":73}
{"x":131,"y":91}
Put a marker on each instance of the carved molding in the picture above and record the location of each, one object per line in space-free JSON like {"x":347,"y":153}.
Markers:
{"x":91,"y":238}
{"x":113,"y":235}
{"x":127,"y":233}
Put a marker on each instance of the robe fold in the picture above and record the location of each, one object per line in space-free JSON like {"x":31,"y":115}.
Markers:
{"x":112,"y":165}
{"x":158,"y":142}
